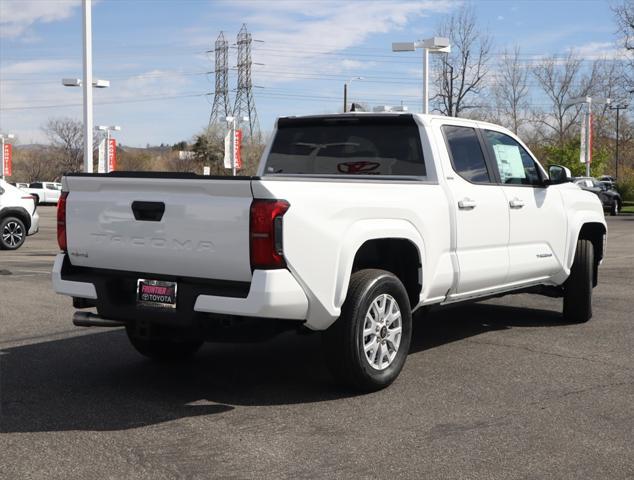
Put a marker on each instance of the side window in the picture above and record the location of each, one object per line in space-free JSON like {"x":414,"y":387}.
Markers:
{"x":515,"y":165}
{"x":466,"y":155}
{"x":36,"y":185}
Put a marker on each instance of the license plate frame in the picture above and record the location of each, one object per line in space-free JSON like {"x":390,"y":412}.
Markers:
{"x":160,"y":294}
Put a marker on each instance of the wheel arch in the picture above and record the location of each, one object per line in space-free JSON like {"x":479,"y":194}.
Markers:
{"x":392,"y":245}
{"x":17,"y":212}
{"x":595,"y":232}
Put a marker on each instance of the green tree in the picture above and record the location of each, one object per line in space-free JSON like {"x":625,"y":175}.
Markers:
{"x":568,"y":156}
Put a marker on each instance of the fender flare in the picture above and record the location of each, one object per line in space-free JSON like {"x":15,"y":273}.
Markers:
{"x":577,"y":222}
{"x":363,"y":231}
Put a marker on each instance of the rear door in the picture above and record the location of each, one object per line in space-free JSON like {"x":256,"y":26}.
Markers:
{"x":482,"y":219}
{"x":173,"y":226}
{"x":538,"y":223}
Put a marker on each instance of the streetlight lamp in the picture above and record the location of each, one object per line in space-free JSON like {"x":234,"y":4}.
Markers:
{"x":231,"y":122}
{"x":4,"y":137}
{"x":586,"y":132}
{"x":108,"y":129}
{"x":345,"y":92}
{"x":77,"y":82}
{"x":433,"y":45}
{"x":618,"y":108}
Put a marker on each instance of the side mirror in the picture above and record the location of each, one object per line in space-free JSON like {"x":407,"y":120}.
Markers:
{"x":559,"y":174}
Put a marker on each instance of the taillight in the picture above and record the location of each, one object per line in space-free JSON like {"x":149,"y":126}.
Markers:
{"x":266,"y":233}
{"x":61,"y":222}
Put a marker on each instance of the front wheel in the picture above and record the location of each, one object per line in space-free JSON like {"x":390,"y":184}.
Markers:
{"x":163,"y":349}
{"x":616,"y":208}
{"x":12,"y":233}
{"x":367,"y":346}
{"x":578,"y":287}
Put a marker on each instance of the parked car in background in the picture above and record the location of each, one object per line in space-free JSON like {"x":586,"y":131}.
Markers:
{"x":608,"y":180}
{"x":610,"y":198}
{"x":18,"y":216}
{"x":45,"y":192}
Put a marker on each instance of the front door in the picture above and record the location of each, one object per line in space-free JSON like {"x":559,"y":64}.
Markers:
{"x":537,"y":218}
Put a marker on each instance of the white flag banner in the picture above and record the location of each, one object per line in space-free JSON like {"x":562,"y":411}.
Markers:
{"x":228,"y":149}
{"x":101,"y":166}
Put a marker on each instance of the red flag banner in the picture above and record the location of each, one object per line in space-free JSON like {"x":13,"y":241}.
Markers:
{"x":238,"y":149}
{"x":112,"y":155}
{"x":7,"y":160}
{"x":590,"y":138}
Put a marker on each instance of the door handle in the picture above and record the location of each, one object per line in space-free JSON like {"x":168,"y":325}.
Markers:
{"x":148,"y":211}
{"x":466,"y":204}
{"x":516,"y":203}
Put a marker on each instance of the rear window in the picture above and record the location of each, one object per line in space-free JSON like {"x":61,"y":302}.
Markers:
{"x":347,"y":146}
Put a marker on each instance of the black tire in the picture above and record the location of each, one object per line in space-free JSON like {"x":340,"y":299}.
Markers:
{"x":12,"y":233}
{"x":343,"y":341}
{"x":616,"y":208}
{"x":164,"y":350}
{"x":578,"y":287}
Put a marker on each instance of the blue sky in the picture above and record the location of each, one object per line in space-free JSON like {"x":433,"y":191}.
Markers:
{"x":154,"y":54}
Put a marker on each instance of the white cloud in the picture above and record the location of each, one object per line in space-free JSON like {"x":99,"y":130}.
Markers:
{"x":312,"y":36}
{"x":599,"y":50}
{"x":16,"y":16}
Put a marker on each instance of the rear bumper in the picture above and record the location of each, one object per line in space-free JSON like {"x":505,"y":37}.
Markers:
{"x":271,"y":294}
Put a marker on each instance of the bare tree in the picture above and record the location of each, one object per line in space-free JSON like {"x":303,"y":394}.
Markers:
{"x":608,"y":81}
{"x":461,"y":72}
{"x":35,"y":164}
{"x":66,"y":136}
{"x":561,"y":80}
{"x":624,"y":13}
{"x":511,"y":90}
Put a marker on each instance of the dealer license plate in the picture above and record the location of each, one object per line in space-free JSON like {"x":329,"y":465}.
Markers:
{"x":156,"y":293}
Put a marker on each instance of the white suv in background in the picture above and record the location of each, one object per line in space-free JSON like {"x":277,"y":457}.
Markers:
{"x":18,"y":216}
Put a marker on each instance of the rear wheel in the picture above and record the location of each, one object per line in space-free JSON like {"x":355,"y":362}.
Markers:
{"x":367,"y":346}
{"x":12,"y":233}
{"x":163,"y":349}
{"x":578,"y":287}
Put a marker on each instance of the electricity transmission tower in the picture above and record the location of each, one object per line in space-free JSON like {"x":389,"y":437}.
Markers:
{"x":221,"y":108}
{"x":245,"y":103}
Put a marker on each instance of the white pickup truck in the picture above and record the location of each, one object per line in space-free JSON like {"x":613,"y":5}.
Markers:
{"x":353,"y":222}
{"x":44,"y":192}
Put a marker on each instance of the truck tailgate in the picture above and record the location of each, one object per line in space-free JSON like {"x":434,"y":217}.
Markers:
{"x":116,"y":223}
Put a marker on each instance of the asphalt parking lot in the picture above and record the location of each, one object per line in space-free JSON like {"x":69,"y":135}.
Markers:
{"x":500,"y":389}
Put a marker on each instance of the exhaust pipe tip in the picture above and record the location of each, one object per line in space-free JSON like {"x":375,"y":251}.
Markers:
{"x":87,"y":319}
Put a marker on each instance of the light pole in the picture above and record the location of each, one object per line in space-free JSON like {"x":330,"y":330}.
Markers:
{"x":433,"y":45}
{"x":618,"y":108}
{"x":87,"y":83}
{"x":345,"y":92}
{"x":586,"y":133}
{"x":8,"y":136}
{"x":108,"y":129}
